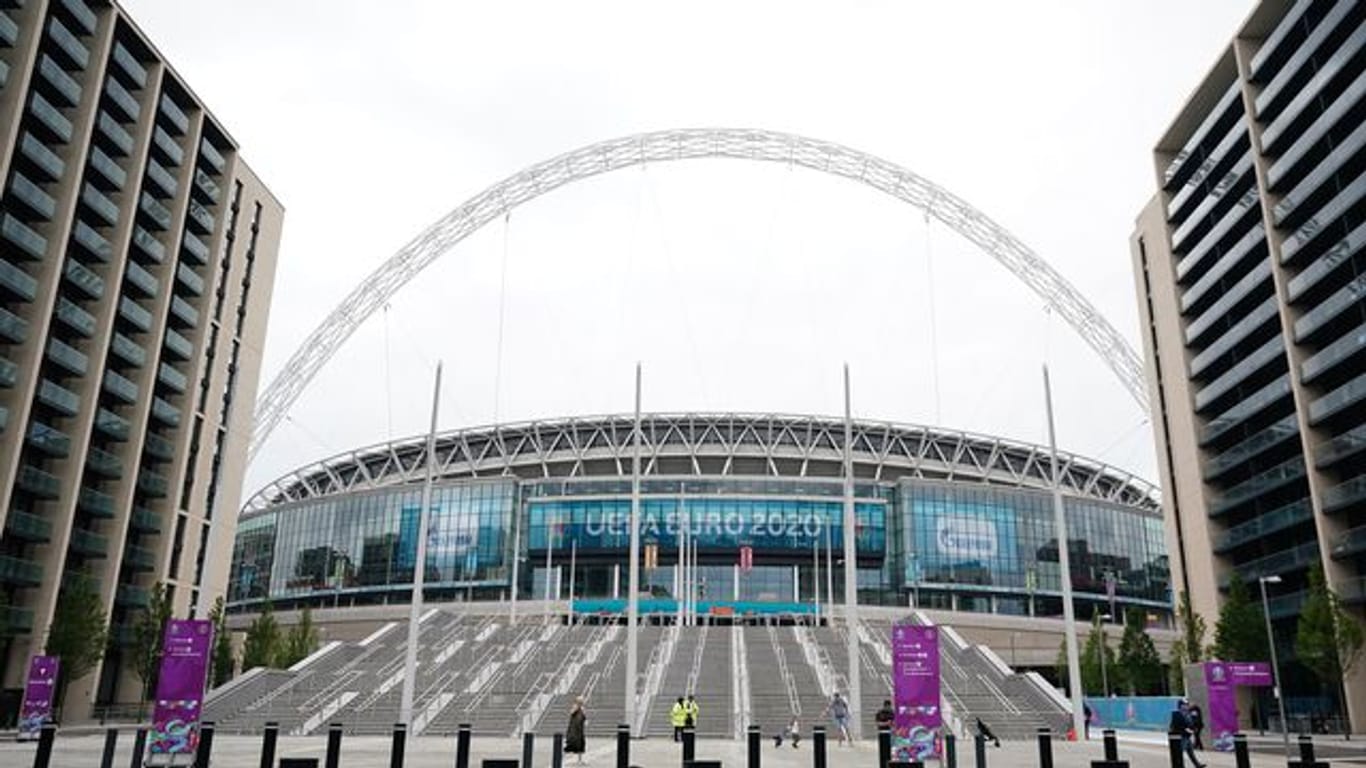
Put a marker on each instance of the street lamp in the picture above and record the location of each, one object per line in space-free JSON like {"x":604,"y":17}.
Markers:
{"x":1275,"y":669}
{"x":1104,"y":651}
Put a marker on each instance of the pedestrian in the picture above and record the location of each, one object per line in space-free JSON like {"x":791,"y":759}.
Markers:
{"x":1087,"y":714}
{"x":1198,"y":726}
{"x":838,"y":710}
{"x":678,"y":718}
{"x":573,"y":733}
{"x":693,"y":712}
{"x":1180,"y":725}
{"x":985,"y":733}
{"x":885,"y":716}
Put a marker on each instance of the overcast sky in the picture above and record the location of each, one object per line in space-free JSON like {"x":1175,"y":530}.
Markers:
{"x":738,"y":286}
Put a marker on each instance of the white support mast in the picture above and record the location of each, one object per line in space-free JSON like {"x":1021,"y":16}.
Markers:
{"x":1065,"y":566}
{"x":419,"y":567}
{"x":633,"y":598}
{"x":851,"y":568}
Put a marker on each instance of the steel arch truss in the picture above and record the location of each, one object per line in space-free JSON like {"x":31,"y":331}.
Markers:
{"x":701,"y":444}
{"x":688,"y":144}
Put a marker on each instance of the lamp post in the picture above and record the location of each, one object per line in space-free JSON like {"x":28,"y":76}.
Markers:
{"x":1104,"y":651}
{"x":1275,"y":669}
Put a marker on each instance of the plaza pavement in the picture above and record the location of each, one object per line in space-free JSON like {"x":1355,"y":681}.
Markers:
{"x":81,"y":749}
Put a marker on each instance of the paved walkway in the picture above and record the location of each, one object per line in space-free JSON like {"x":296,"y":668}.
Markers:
{"x":79,"y":751}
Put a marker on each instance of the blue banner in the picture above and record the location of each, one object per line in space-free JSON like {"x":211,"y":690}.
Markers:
{"x":1133,"y":713}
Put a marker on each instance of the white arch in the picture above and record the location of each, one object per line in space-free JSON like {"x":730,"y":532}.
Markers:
{"x":689,"y":144}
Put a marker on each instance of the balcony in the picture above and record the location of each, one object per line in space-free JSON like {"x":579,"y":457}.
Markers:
{"x":63,"y":87}
{"x":113,"y":174}
{"x":1350,"y":543}
{"x":165,"y":412}
{"x":166,"y":146}
{"x":174,"y":115}
{"x":12,"y":327}
{"x":122,"y":99}
{"x":92,"y":241}
{"x":157,"y":213}
{"x":39,"y":203}
{"x":131,"y":596}
{"x":67,"y":357}
{"x":95,"y":503}
{"x":43,"y":159}
{"x":111,"y":424}
{"x":1265,"y":524}
{"x":75,"y":318}
{"x":28,"y":527}
{"x":49,"y":440}
{"x":150,"y":246}
{"x":30,"y":243}
{"x":203,"y":183}
{"x":134,"y":313}
{"x":1271,"y":352}
{"x":178,"y":345}
{"x":199,"y":215}
{"x":100,"y":204}
{"x":128,"y":350}
{"x":187,"y":277}
{"x":1345,"y":348}
{"x":152,"y":483}
{"x":9,"y":373}
{"x":130,"y":66}
{"x":120,"y":140}
{"x":103,"y":463}
{"x":58,"y":398}
{"x":18,"y":282}
{"x":158,"y":446}
{"x":144,"y":282}
{"x":44,"y":485}
{"x":68,"y":46}
{"x":120,"y":387}
{"x":172,"y":378}
{"x":139,"y":558}
{"x":162,"y":178}
{"x":1284,"y":561}
{"x":1348,"y":395}
{"x":1275,"y":477}
{"x":212,"y":156}
{"x":15,"y":620}
{"x":20,"y":572}
{"x":58,"y":127}
{"x":9,"y":31}
{"x":82,"y":14}
{"x":182,"y":310}
{"x":1344,"y":495}
{"x":91,"y":284}
{"x":1345,"y":446}
{"x":195,"y":247}
{"x":88,"y":543}
{"x":145,"y":520}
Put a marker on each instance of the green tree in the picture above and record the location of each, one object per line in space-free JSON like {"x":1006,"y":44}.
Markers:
{"x":1329,"y":639}
{"x":1240,"y":633}
{"x":148,"y":629}
{"x":1093,"y":675}
{"x":1192,"y":628}
{"x":222,"y":661}
{"x":1140,"y":666}
{"x":301,"y":641}
{"x":262,"y":645}
{"x":79,"y":630}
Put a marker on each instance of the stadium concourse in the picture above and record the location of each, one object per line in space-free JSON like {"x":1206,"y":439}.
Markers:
{"x":506,"y":677}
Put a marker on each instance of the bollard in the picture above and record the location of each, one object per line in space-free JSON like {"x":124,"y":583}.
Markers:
{"x":818,"y":746}
{"x":528,"y":747}
{"x":884,"y":747}
{"x":462,"y":746}
{"x":950,"y":750}
{"x":1111,"y":745}
{"x":1174,"y":749}
{"x":1045,"y":748}
{"x":754,"y":749}
{"x":623,"y":746}
{"x":334,"y":737}
{"x":205,"y":751}
{"x":399,"y":745}
{"x":111,"y":741}
{"x":557,"y":751}
{"x":298,"y":762}
{"x":1306,"y":750}
{"x":1240,"y":756}
{"x":268,"y":739}
{"x":979,"y":745}
{"x":689,"y":745}
{"x":43,"y":756}
{"x":139,"y":744}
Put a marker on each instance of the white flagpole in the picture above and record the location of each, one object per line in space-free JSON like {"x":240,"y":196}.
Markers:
{"x":633,"y":599}
{"x":516,"y":559}
{"x":1065,"y":565}
{"x":816,"y":576}
{"x":419,"y":567}
{"x":851,"y":569}
{"x":573,"y":561}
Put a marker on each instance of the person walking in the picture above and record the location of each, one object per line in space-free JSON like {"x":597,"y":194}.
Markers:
{"x":985,"y":733}
{"x":1180,"y":725}
{"x":793,"y":731}
{"x":574,"y":740}
{"x":1197,"y":726}
{"x":1087,"y":715}
{"x":678,"y":718}
{"x":885,"y":716}
{"x":838,"y":710}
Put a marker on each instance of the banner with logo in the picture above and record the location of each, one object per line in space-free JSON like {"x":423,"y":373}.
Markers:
{"x":40,"y":693}
{"x":1222,"y":679}
{"x":915,"y":676}
{"x":180,"y":686}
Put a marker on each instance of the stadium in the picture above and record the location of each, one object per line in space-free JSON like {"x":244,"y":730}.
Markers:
{"x":526,"y":569}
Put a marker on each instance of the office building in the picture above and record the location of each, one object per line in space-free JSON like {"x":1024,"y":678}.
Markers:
{"x":137,"y":253}
{"x":1249,"y":264}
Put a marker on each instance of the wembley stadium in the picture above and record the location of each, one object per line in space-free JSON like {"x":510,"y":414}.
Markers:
{"x":945,"y":520}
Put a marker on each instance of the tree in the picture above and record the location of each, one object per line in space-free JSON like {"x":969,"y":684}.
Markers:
{"x":1140,"y":667}
{"x":301,"y":641}
{"x":262,"y":645}
{"x":79,"y":630}
{"x":1093,"y":675}
{"x":1192,"y":628}
{"x":222,"y":661}
{"x":1240,"y":634}
{"x":1329,"y":639}
{"x":149,"y":627}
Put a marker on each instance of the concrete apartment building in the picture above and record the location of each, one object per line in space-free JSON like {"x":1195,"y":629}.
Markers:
{"x":1251,"y":277}
{"x":137,"y":254}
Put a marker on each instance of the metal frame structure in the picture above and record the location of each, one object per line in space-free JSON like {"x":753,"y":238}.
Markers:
{"x":690,"y":144}
{"x":706,"y":445}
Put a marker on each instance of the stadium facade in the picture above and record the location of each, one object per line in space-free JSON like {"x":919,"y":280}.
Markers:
{"x":945,"y":520}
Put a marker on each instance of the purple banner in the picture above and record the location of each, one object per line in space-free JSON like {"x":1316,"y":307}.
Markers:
{"x":1222,"y":679}
{"x":180,"y":686}
{"x":40,"y":692}
{"x":915,"y":675}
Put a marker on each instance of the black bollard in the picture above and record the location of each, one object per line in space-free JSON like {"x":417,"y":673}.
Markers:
{"x":1174,"y":749}
{"x":1045,"y":748}
{"x":979,"y":746}
{"x":528,"y":747}
{"x":298,"y":762}
{"x":818,"y":746}
{"x":139,"y":745}
{"x":111,"y":742}
{"x":334,"y":737}
{"x":950,"y":750}
{"x":754,"y":749}
{"x":400,"y":744}
{"x":1240,"y":756}
{"x":884,"y":747}
{"x":205,"y":751}
{"x":689,"y":745}
{"x":557,"y":751}
{"x":1306,"y":750}
{"x":462,"y":746}
{"x":1111,"y":745}
{"x":623,"y":746}
{"x":43,"y":756}
{"x":268,"y":739}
